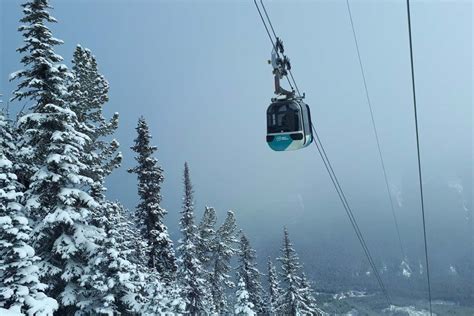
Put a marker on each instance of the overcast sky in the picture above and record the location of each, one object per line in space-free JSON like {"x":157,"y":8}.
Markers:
{"x":197,"y":71}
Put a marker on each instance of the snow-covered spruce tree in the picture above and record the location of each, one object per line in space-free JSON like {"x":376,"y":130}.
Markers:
{"x":20,"y":287}
{"x":39,"y":81}
{"x":291,"y":301}
{"x":274,"y":289}
{"x":248,"y":271}
{"x":114,"y":282}
{"x":120,"y":284}
{"x":224,"y":250}
{"x":149,"y":213}
{"x":88,"y":93}
{"x":160,"y":298}
{"x":7,"y":137}
{"x":308,"y":297}
{"x":243,"y":305}
{"x":207,"y":237}
{"x":53,"y":150}
{"x":191,"y":274}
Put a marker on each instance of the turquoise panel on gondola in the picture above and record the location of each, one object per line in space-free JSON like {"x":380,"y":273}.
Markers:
{"x":280,"y":142}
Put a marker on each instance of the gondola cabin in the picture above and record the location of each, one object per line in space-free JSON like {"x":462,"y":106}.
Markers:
{"x":288,"y":125}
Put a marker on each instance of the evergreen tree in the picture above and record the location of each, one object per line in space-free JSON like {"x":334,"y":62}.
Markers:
{"x":88,"y":93}
{"x":150,"y":214}
{"x":190,"y":272}
{"x":309,"y":306}
{"x":113,"y":279}
{"x":56,"y":176}
{"x":249,"y":273}
{"x":274,"y":289}
{"x":207,"y":236}
{"x":41,"y":81}
{"x":7,"y":136}
{"x":223,"y":251}
{"x":20,"y":287}
{"x":161,"y":299}
{"x":291,"y":301}
{"x":243,"y":305}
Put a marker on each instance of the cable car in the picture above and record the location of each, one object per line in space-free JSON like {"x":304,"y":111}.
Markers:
{"x":288,"y":125}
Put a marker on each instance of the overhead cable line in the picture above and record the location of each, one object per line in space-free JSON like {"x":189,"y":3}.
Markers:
{"x":418,"y":154}
{"x":350,"y":214}
{"x":274,"y":34}
{"x":333,"y":177}
{"x":375,"y":132}
{"x":269,"y":35}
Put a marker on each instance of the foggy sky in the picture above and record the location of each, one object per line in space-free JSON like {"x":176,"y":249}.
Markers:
{"x":197,"y":71}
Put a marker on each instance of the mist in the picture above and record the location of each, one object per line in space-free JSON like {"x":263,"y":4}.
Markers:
{"x":198,"y":72}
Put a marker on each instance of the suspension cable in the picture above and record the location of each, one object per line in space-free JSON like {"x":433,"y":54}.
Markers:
{"x":266,"y":27}
{"x":350,"y":214}
{"x":274,"y":34}
{"x":269,"y":35}
{"x":296,"y":86}
{"x":402,"y":250}
{"x":333,"y":177}
{"x":268,"y":18}
{"x":418,"y":153}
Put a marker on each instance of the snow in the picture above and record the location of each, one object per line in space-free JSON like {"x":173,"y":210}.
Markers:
{"x":343,"y":295}
{"x":56,"y":158}
{"x":7,"y":293}
{"x":445,"y":303}
{"x":5,"y":220}
{"x":35,"y":82}
{"x":406,"y":310}
{"x":15,"y":74}
{"x":22,"y":291}
{"x":24,"y":251}
{"x":21,"y":220}
{"x":36,"y":117}
{"x":41,"y":305}
{"x":82,"y":196}
{"x":123,"y":277}
{"x":406,"y":270}
{"x":452,"y":270}
{"x":12,"y":311}
{"x":5,"y":163}
{"x":60,"y":216}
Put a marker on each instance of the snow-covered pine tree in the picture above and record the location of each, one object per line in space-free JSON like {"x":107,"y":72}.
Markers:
{"x":160,"y":298}
{"x":309,"y":307}
{"x":88,"y":93}
{"x":40,"y":80}
{"x":191,"y":274}
{"x":223,"y":251}
{"x":248,"y":271}
{"x":20,"y":287}
{"x":7,"y":137}
{"x":243,"y":305}
{"x":114,"y":281}
{"x":160,"y":253}
{"x":53,"y":150}
{"x":207,"y":236}
{"x":291,"y":301}
{"x":274,"y":289}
